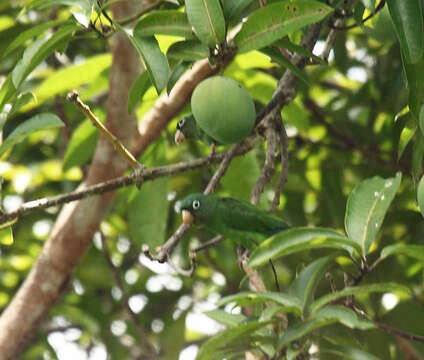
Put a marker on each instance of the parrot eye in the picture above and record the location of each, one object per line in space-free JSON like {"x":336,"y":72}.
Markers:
{"x":181,"y":123}
{"x":196,"y":204}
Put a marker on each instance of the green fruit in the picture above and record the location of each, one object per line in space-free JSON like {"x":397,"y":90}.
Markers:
{"x":223,"y":109}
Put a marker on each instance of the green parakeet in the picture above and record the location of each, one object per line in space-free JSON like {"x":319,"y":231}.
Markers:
{"x":232,"y":218}
{"x":188,"y":129}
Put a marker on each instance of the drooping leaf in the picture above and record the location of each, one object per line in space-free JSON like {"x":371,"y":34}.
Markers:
{"x":420,"y":195}
{"x":300,"y":239}
{"x":166,"y":22}
{"x":417,"y":155}
{"x":358,"y":290}
{"x":415,"y":77}
{"x":233,"y":8}
{"x":366,"y":208}
{"x":408,"y":20}
{"x":304,"y":286}
{"x":155,"y":61}
{"x":413,"y":251}
{"x":38,"y":122}
{"x":406,"y":135}
{"x":178,"y":71}
{"x":81,"y":147}
{"x":226,"y":318}
{"x":277,"y":20}
{"x":226,"y":336}
{"x":207,"y":19}
{"x":347,"y":352}
{"x":38,"y":51}
{"x":139,"y":88}
{"x":190,"y":50}
{"x":344,"y":316}
{"x":291,"y":303}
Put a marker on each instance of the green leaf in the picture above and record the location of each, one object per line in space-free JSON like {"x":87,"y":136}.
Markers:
{"x":148,"y":213}
{"x":139,"y":88}
{"x":369,"y":4}
{"x":155,"y":61}
{"x":226,"y":336}
{"x":415,"y":76}
{"x":6,"y":92}
{"x":226,"y":318}
{"x":304,"y":286}
{"x":190,"y":50}
{"x":413,"y":251}
{"x":6,"y":236}
{"x":287,"y":44}
{"x":32,"y":32}
{"x":406,"y":135}
{"x":85,"y":5}
{"x":300,"y":239}
{"x":38,"y":51}
{"x":166,"y":22}
{"x":291,"y":303}
{"x":347,"y":352}
{"x":420,"y":195}
{"x":408,"y":20}
{"x":81,"y":146}
{"x":233,"y":8}
{"x":178,"y":71}
{"x":421,"y":119}
{"x":358,"y":290}
{"x":417,"y":155}
{"x":207,"y":19}
{"x":21,"y":101}
{"x":280,"y":59}
{"x":277,"y":20}
{"x":366,"y":207}
{"x":38,"y":122}
{"x":344,"y":316}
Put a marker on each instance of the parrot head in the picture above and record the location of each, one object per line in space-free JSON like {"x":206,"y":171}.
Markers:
{"x":186,"y":129}
{"x":198,"y":207}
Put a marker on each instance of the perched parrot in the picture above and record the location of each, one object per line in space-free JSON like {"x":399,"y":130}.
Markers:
{"x":231,"y":218}
{"x":187,"y":129}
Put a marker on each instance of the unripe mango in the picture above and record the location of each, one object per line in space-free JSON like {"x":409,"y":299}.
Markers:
{"x":223,"y":109}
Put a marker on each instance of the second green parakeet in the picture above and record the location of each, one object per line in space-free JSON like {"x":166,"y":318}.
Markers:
{"x":231,"y":218}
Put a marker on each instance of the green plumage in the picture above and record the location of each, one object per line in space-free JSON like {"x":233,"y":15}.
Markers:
{"x":234,"y":219}
{"x":188,"y":126}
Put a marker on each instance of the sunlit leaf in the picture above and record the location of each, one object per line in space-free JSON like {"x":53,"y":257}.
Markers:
{"x":190,"y":50}
{"x":413,"y":251}
{"x":226,"y":318}
{"x":6,"y":236}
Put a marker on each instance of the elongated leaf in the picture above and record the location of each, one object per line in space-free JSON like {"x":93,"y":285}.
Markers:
{"x":344,"y":316}
{"x":417,"y":155}
{"x":347,"y":352}
{"x":166,"y":22}
{"x":369,"y":4}
{"x":226,"y":318}
{"x":300,"y":239}
{"x":155,"y":61}
{"x":148,"y":213}
{"x":415,"y":76}
{"x":81,"y":146}
{"x":280,"y":59}
{"x":406,"y":135}
{"x":408,"y":20}
{"x":190,"y":50}
{"x":358,"y":290}
{"x":85,"y":5}
{"x":277,"y":20}
{"x":233,"y":8}
{"x":413,"y":251}
{"x":421,"y":119}
{"x":6,"y":93}
{"x":208,"y":21}
{"x":38,"y":51}
{"x":226,"y":337}
{"x":38,"y":122}
{"x":304,"y":286}
{"x":178,"y":71}
{"x":420,"y":195}
{"x":291,"y":302}
{"x":6,"y":236}
{"x":29,"y":34}
{"x":366,"y":207}
{"x":141,"y":85}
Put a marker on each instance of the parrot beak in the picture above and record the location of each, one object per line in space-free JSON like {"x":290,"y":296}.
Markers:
{"x":179,"y":137}
{"x":188,"y":218}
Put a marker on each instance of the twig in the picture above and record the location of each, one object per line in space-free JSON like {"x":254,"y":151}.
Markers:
{"x":208,"y":244}
{"x":143,"y":11}
{"x":148,"y":347}
{"x":330,"y":41}
{"x":186,"y":273}
{"x":74,"y":97}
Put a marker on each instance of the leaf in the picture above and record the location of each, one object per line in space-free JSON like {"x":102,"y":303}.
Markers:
{"x":358,"y":290}
{"x":415,"y":76}
{"x":227,"y":336}
{"x":417,"y":155}
{"x":280,"y":59}
{"x":38,"y":51}
{"x":413,"y":251}
{"x":408,"y":20}
{"x":21,"y":101}
{"x":38,"y":122}
{"x":420,"y":195}
{"x":148,"y":213}
{"x":347,"y":352}
{"x":344,"y":316}
{"x":366,"y":207}
{"x":166,"y":22}
{"x":421,"y":119}
{"x":6,"y":236}
{"x":277,"y":20}
{"x":207,"y":19}
{"x":369,"y":4}
{"x":139,"y":88}
{"x":6,"y":92}
{"x":287,"y":44}
{"x":304,"y":286}
{"x":155,"y":61}
{"x":300,"y":239}
{"x":290,"y":302}
{"x":85,"y":5}
{"x":406,"y":135}
{"x":32,"y":32}
{"x":225,"y":317}
{"x":233,"y":8}
{"x":190,"y":50}
{"x":81,"y":147}
{"x":178,"y":71}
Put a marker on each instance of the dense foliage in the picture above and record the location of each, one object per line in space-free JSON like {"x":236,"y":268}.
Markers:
{"x":350,"y":271}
